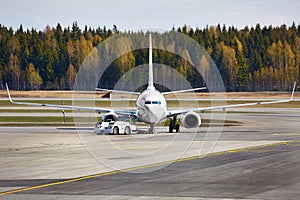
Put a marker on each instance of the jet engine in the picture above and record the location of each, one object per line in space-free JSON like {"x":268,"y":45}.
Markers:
{"x":191,"y":120}
{"x":109,"y":116}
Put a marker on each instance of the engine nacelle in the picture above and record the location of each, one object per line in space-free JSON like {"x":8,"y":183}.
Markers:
{"x":109,"y":116}
{"x":191,"y":120}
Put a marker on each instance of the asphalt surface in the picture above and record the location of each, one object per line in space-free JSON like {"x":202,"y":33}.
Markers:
{"x":259,"y":159}
{"x":271,"y":172}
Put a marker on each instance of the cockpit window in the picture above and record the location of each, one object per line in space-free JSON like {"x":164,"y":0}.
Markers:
{"x":153,"y":102}
{"x":156,"y":102}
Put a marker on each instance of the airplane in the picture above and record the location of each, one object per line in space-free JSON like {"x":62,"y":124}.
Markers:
{"x":151,"y":105}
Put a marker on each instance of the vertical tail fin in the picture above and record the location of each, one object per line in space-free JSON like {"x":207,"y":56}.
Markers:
{"x":150,"y":79}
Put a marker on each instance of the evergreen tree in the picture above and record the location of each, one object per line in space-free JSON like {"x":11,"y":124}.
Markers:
{"x":252,"y":58}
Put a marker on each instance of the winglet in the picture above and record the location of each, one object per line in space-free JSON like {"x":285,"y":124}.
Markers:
{"x":292,"y":96}
{"x":9,"y":97}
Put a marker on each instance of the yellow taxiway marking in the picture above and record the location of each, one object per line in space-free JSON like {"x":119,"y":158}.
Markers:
{"x":286,"y":134}
{"x":140,"y":167}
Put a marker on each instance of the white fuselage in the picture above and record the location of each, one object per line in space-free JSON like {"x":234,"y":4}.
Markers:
{"x":151,"y":106}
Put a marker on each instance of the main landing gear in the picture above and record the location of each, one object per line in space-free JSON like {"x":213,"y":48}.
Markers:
{"x":174,"y":124}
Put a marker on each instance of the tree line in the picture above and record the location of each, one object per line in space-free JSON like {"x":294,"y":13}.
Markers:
{"x":249,"y":59}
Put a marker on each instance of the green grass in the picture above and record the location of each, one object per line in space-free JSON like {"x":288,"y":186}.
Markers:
{"x":20,"y":119}
{"x":171,"y":103}
{"x":35,"y":119}
{"x":33,"y":111}
{"x":54,"y":121}
{"x":40,"y":124}
{"x":58,"y":102}
{"x":28,"y":121}
{"x":207,"y":122}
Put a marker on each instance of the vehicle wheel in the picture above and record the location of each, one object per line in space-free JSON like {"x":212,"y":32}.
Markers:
{"x":177,"y":128}
{"x":116,"y":130}
{"x":127,"y":130}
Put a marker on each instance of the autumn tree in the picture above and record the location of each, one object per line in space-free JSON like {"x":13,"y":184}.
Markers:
{"x":33,"y":76}
{"x":14,"y":71}
{"x":297,"y":55}
{"x":229,"y":63}
{"x":70,"y":76}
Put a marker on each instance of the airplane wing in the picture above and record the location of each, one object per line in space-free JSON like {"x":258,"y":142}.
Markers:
{"x":78,"y":108}
{"x":178,"y":112}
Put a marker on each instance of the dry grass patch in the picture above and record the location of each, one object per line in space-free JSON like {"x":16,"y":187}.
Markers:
{"x":99,"y":94}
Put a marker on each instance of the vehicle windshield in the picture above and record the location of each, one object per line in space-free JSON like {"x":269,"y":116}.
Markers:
{"x":123,"y":118}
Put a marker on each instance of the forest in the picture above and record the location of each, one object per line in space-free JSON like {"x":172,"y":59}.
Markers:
{"x":249,"y":59}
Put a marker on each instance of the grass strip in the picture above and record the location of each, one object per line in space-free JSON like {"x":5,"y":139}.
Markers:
{"x":170,"y":103}
{"x":38,"y":119}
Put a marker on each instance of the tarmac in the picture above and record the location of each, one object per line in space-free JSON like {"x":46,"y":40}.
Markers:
{"x":256,"y":159}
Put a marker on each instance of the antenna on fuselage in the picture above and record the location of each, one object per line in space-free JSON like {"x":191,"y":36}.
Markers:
{"x":150,"y":79}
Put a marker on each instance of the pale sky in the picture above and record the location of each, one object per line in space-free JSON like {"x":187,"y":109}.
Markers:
{"x":139,"y":14}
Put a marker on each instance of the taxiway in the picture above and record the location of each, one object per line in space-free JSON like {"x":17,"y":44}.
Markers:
{"x":258,"y":159}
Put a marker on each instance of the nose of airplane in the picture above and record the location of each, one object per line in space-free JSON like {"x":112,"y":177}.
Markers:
{"x":155,"y":113}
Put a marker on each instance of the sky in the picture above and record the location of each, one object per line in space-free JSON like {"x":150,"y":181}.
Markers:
{"x":140,"y":14}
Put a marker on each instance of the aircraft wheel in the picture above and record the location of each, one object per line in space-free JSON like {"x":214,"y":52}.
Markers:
{"x":116,"y":130}
{"x":127,"y":130}
{"x":170,"y":128}
{"x":177,"y":128}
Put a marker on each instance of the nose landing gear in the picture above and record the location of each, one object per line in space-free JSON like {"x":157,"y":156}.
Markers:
{"x":151,"y":129}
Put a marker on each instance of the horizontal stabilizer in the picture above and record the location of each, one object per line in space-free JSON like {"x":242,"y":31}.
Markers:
{"x":181,"y":91}
{"x":118,"y":91}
